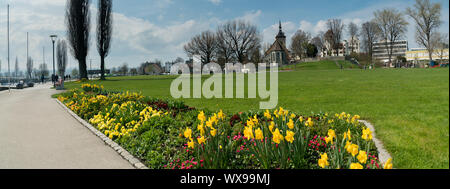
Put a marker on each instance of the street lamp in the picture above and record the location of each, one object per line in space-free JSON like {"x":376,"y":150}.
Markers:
{"x":53,"y":37}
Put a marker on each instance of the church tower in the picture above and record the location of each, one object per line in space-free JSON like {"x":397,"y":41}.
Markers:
{"x":281,"y":37}
{"x":278,"y":53}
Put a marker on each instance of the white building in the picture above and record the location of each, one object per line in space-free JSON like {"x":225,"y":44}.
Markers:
{"x":380,"y":50}
{"x":345,"y":48}
{"x":352,"y":45}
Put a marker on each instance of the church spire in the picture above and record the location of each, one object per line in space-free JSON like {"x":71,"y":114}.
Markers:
{"x":280,"y":33}
{"x":280,"y":26}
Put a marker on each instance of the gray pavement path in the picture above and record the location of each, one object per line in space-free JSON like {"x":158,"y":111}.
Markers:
{"x":37,"y":133}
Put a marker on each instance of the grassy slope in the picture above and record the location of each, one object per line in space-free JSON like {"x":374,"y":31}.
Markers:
{"x":410,"y":108}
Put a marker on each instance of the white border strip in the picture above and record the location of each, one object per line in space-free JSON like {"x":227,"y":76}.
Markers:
{"x":122,"y":152}
{"x":383,"y":154}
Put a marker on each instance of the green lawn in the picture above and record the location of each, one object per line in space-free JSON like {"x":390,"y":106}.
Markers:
{"x":321,"y":65}
{"x":409,"y":107}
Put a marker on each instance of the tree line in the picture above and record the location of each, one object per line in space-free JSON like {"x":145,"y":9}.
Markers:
{"x":389,"y":25}
{"x":235,"y":40}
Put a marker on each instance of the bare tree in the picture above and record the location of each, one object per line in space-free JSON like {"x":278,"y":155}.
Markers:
{"x":104,"y":32}
{"x":256,"y":56}
{"x":266,"y":47}
{"x":61,"y":55}
{"x":244,"y":38}
{"x":354,"y":33}
{"x":299,"y":43}
{"x":224,"y":50}
{"x":335,"y":26}
{"x":123,"y":69}
{"x":441,"y":43}
{"x":319,"y":42}
{"x":370,"y":34}
{"x":392,"y":27}
{"x":428,"y":18}
{"x":29,"y":67}
{"x":204,"y":45}
{"x":78,"y":27}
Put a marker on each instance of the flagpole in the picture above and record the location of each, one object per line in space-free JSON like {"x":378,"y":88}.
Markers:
{"x":9,"y":70}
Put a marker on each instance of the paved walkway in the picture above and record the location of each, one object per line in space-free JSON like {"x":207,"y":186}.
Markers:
{"x":37,"y":133}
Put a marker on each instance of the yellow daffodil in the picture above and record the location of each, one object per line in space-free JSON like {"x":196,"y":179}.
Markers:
{"x":330,"y":137}
{"x":309,"y":123}
{"x":353,"y":149}
{"x":213,"y":132}
{"x":362,"y":157}
{"x":290,"y":136}
{"x":277,"y":136}
{"x":191,"y":144}
{"x":201,"y":116}
{"x":356,"y":166}
{"x":301,"y":119}
{"x":201,"y":128}
{"x":367,"y":134}
{"x":388,"y":164}
{"x":201,"y":140}
{"x":259,"y":134}
{"x":255,"y":120}
{"x":267,"y":115}
{"x":348,"y":135}
{"x":250,"y":123}
{"x":209,"y":123}
{"x":291,"y":124}
{"x":248,"y":132}
{"x":188,"y":133}
{"x":271,"y":126}
{"x":331,"y":133}
{"x":220,"y":115}
{"x":293,"y":116}
{"x":323,"y":161}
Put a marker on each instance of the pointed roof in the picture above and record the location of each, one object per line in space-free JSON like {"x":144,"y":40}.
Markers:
{"x":278,"y":46}
{"x":280,"y":32}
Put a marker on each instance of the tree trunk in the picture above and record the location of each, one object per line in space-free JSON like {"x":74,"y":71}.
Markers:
{"x":430,"y":55}
{"x":102,"y":68}
{"x":83,"y":69}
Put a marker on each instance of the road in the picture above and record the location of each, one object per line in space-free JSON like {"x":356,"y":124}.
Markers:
{"x":37,"y":133}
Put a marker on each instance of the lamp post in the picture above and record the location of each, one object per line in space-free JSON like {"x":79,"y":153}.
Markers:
{"x":53,"y":37}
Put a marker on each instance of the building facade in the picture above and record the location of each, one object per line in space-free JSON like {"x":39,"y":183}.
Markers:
{"x":278,"y":53}
{"x":380,"y":50}
{"x":421,"y":55}
{"x":352,"y":45}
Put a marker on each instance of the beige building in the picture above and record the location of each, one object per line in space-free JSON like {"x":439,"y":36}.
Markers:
{"x":421,"y":55}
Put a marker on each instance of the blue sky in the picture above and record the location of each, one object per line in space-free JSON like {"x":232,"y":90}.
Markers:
{"x":158,"y":29}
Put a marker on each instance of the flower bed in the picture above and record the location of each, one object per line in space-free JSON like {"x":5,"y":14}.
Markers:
{"x":170,"y":135}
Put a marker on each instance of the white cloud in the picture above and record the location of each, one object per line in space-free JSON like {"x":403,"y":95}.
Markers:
{"x":251,"y":16}
{"x":216,"y":2}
